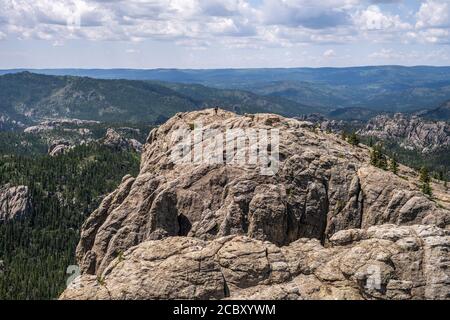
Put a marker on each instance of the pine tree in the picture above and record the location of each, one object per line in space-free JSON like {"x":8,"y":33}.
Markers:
{"x":377,"y":158}
{"x":393,"y":166}
{"x":424,"y":178}
{"x":374,"y":156}
{"x":426,"y":189}
{"x":353,"y":139}
{"x":382,"y":163}
{"x":424,"y":175}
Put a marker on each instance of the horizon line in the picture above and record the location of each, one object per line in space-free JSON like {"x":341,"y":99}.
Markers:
{"x":225,"y":68}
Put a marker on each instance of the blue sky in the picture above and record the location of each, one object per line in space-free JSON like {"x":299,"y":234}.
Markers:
{"x":222,"y":33}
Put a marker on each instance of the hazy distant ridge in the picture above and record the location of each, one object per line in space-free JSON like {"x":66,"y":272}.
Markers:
{"x":388,"y":88}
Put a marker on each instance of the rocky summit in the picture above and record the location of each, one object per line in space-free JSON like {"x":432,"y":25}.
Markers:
{"x":325,"y":225}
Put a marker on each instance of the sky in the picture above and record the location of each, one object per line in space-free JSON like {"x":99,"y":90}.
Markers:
{"x":222,"y":33}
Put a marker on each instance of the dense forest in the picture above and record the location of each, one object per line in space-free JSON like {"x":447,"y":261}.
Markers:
{"x":19,"y":143}
{"x":37,"y":249}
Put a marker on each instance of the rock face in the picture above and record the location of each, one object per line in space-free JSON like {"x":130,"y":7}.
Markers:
{"x":15,"y":202}
{"x":382,"y":262}
{"x":62,"y":135}
{"x":331,"y":125}
{"x":114,"y":140}
{"x":59,"y":147}
{"x":50,"y":125}
{"x":253,"y":235}
{"x":412,"y":132}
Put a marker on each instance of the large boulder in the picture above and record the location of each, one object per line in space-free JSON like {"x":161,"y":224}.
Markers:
{"x":381,"y":262}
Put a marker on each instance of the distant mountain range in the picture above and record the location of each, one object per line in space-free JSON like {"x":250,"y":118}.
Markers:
{"x":27,"y":96}
{"x":379,"y":88}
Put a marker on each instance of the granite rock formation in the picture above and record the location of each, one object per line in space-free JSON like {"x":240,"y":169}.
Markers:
{"x":201,"y":230}
{"x":412,"y":132}
{"x":381,"y":262}
{"x":113,"y":139}
{"x":15,"y":202}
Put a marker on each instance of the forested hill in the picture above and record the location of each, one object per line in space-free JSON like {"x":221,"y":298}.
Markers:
{"x":36,"y":250}
{"x":380,"y":88}
{"x":440,"y":113}
{"x":25,"y":96}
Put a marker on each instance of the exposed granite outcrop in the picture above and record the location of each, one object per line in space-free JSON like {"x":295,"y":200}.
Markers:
{"x":412,"y":132}
{"x":15,"y":202}
{"x":323,"y":188}
{"x":113,"y":139}
{"x":382,"y":262}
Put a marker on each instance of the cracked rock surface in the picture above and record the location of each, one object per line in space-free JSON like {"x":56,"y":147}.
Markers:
{"x":318,"y":228}
{"x":15,"y":202}
{"x":381,"y":262}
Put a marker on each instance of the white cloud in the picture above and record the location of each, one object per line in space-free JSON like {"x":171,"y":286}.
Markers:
{"x":232,"y":23}
{"x":374,"y":19}
{"x":433,"y":35}
{"x":132,"y":51}
{"x":329,"y":53}
{"x":433,"y":23}
{"x":385,"y":54}
{"x":434,"y":14}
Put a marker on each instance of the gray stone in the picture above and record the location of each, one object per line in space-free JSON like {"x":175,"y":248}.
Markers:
{"x":15,"y":202}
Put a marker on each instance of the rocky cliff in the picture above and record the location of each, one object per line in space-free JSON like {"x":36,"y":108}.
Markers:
{"x":114,"y":140}
{"x":15,"y":202}
{"x":382,"y":262}
{"x":62,"y":135}
{"x":411,"y":132}
{"x":314,"y":229}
